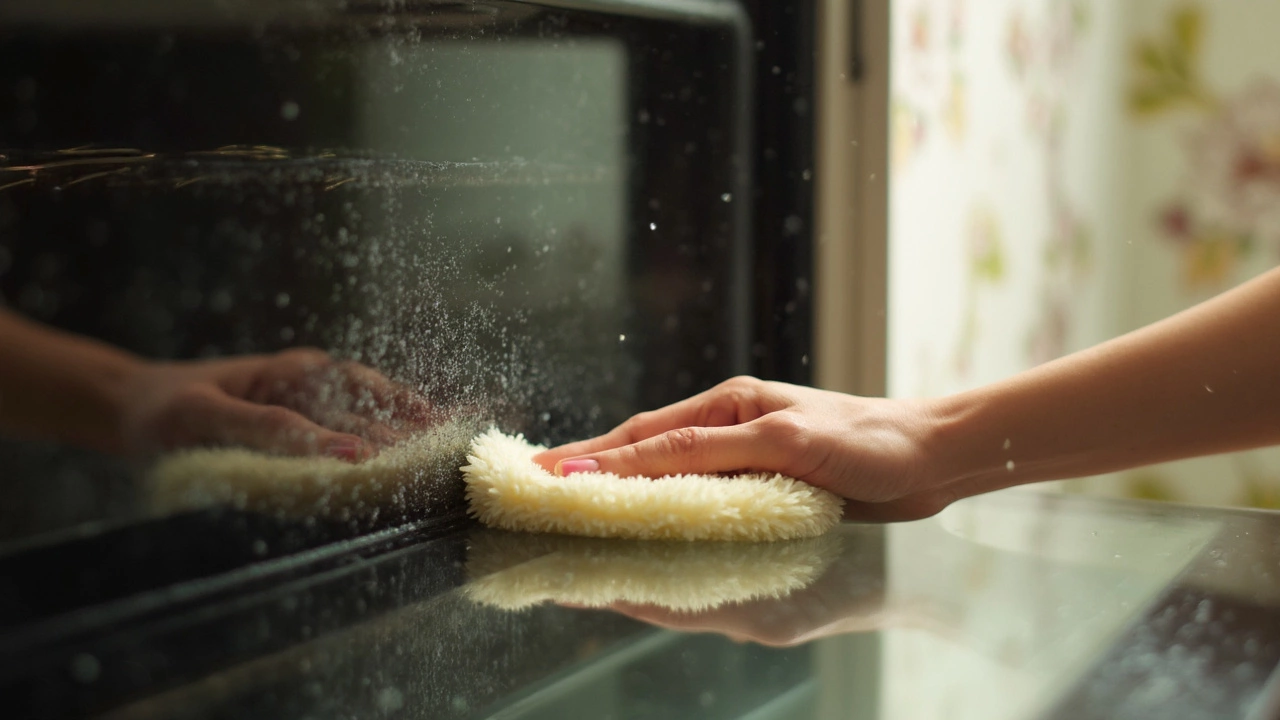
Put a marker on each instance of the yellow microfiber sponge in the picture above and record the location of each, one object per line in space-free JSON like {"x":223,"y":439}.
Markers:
{"x":507,"y":490}
{"x":513,"y":571}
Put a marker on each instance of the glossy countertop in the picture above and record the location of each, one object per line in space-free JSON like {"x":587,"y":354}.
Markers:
{"x":1014,"y":605}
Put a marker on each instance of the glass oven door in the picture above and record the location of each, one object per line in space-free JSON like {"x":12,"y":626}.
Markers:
{"x":533,"y":214}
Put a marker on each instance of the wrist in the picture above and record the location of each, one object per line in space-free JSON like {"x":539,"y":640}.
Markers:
{"x":115,"y":391}
{"x":967,"y":447}
{"x":61,"y":387}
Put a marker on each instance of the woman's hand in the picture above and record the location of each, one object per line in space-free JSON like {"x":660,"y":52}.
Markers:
{"x":876,"y":453}
{"x":296,"y":402}
{"x":771,"y":622}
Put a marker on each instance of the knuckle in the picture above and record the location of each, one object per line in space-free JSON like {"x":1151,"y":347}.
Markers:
{"x":348,"y":367}
{"x":741,"y":384}
{"x":630,"y":428}
{"x":784,"y":425}
{"x":178,"y":422}
{"x":743,"y":380}
{"x":685,"y":442}
{"x":306,"y":356}
{"x":790,"y":432}
{"x":276,"y":418}
{"x":195,"y":398}
{"x":739,"y":399}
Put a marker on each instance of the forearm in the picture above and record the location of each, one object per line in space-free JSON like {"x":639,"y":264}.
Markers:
{"x":57,"y":386}
{"x":1204,"y":381}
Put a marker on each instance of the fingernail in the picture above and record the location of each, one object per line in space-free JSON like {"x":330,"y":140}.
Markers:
{"x":568,"y":467}
{"x":344,"y":448}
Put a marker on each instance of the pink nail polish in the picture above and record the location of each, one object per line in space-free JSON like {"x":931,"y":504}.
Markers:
{"x":569,"y":467}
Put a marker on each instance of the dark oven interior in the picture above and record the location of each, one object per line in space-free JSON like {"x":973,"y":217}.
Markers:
{"x":544,"y":215}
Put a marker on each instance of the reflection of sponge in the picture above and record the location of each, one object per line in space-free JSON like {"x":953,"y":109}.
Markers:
{"x":509,"y":491}
{"x":513,"y":571}
{"x":417,"y":473}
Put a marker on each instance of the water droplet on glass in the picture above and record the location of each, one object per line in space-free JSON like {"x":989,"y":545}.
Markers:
{"x":390,"y":699}
{"x":1203,"y":611}
{"x":85,"y":668}
{"x":221,"y":301}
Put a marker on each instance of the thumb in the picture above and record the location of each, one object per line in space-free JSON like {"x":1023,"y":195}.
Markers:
{"x":690,"y":450}
{"x":226,"y":419}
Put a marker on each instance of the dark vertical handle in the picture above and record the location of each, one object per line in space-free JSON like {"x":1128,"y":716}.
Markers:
{"x":857,"y":60}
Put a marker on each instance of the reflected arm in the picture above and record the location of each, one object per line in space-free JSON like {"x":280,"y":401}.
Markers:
{"x":57,"y":386}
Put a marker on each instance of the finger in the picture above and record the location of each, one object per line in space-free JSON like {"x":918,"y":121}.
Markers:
{"x":377,"y":433}
{"x":345,"y":396}
{"x":729,"y":403}
{"x":690,"y":450}
{"x":223,"y":419}
{"x":288,"y":377}
{"x":411,"y":408}
{"x":379,"y":396}
{"x":640,"y":427}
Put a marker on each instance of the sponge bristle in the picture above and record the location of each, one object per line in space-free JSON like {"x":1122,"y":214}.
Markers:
{"x":507,"y":490}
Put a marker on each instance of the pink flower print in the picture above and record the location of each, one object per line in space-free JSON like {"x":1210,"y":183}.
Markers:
{"x":958,"y":20}
{"x":1175,"y":220}
{"x":1210,"y":261}
{"x":908,"y":133}
{"x":1018,"y":44}
{"x":1048,"y":339}
{"x":1235,"y":157}
{"x":920,"y":29}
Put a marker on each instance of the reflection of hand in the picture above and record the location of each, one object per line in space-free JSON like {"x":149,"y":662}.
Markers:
{"x":777,"y":623}
{"x":870,"y":451}
{"x":849,"y":597}
{"x":296,"y":402}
